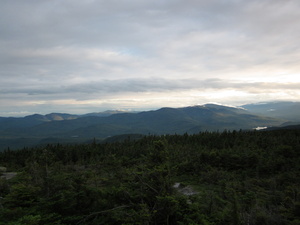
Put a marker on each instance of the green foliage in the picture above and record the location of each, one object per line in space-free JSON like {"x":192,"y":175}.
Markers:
{"x":237,"y":178}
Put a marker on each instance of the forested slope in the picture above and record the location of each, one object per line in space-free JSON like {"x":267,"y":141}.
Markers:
{"x":236,"y":177}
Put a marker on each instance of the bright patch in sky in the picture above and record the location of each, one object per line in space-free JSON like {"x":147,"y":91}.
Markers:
{"x":88,"y":56}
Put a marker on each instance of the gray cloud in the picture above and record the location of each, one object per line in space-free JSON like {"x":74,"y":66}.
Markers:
{"x":75,"y":49}
{"x":111,"y":87}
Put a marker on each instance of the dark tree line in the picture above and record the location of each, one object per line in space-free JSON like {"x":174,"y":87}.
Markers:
{"x":236,"y":177}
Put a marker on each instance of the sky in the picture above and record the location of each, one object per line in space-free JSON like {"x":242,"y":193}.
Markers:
{"x":81,"y":56}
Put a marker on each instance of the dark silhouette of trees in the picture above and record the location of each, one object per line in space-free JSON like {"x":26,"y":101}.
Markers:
{"x":234,"y":177}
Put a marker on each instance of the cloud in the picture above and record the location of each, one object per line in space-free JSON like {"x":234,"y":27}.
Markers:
{"x":63,"y":50}
{"x":138,"y":85}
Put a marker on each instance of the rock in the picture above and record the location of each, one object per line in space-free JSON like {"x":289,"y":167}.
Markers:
{"x":186,"y":190}
{"x":8,"y":175}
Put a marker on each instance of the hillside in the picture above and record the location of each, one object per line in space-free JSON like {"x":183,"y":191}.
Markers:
{"x":211,"y":178}
{"x":64,"y":128}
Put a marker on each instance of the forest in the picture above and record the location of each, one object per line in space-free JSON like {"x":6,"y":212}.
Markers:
{"x":209,"y":178}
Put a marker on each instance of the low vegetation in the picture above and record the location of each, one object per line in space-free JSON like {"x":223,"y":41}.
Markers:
{"x":232,"y":177}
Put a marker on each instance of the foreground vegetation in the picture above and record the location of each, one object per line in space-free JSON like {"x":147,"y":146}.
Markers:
{"x":236,"y":177}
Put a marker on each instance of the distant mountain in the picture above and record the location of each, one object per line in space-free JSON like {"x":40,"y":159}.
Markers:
{"x":290,"y":127}
{"x":62,"y":128}
{"x":32,"y":120}
{"x":60,"y":116}
{"x":35,"y":119}
{"x":284,"y":110}
{"x":107,"y":113}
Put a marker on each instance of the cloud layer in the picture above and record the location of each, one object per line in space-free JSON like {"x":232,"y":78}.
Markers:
{"x":79,"y":56}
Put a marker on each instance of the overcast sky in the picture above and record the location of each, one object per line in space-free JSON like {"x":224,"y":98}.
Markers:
{"x":80,"y":56}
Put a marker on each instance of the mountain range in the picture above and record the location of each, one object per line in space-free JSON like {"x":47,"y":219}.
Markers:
{"x":284,"y":110}
{"x":67,"y":128}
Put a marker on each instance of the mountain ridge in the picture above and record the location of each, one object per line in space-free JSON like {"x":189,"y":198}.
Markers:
{"x":63,"y":127}
{"x":287,"y":110}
